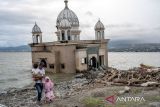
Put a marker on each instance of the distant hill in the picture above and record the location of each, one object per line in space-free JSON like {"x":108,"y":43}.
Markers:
{"x":133,"y":46}
{"x":114,"y":46}
{"x":23,"y":48}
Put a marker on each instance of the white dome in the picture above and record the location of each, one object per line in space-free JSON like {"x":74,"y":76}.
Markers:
{"x":65,"y":24}
{"x":36,"y":29}
{"x":68,"y":14}
{"x":99,"y":26}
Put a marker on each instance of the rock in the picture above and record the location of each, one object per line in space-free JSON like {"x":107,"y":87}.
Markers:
{"x":77,"y":86}
{"x":100,"y":81}
{"x":92,"y":74}
{"x":104,"y":67}
{"x":154,"y":104}
{"x":108,"y":83}
{"x":121,"y":92}
{"x":102,"y":70}
{"x":79,"y":76}
{"x":149,"y":84}
{"x":3,"y":92}
{"x":126,"y":90}
{"x":11,"y":90}
{"x":98,"y":94}
{"x":97,"y":81}
{"x":2,"y":105}
{"x":22,"y":104}
{"x":100,"y":75}
{"x":83,"y":81}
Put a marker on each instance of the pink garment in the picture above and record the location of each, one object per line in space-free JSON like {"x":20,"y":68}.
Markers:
{"x":48,"y":88}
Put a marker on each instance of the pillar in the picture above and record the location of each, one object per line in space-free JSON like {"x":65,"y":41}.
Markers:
{"x":40,"y":38}
{"x":66,"y":36}
{"x":60,"y":34}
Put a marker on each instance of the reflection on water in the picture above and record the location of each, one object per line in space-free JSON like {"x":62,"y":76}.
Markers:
{"x":16,"y":66}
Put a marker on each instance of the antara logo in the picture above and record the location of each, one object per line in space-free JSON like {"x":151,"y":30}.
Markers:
{"x":112,"y":99}
{"x":126,"y":99}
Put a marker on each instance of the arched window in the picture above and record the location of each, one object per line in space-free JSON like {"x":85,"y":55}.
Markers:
{"x":68,"y":34}
{"x":98,"y":34}
{"x":37,"y":39}
{"x":93,"y":62}
{"x":43,"y":61}
{"x":103,"y":35}
{"x":34,"y":39}
{"x":63,"y":35}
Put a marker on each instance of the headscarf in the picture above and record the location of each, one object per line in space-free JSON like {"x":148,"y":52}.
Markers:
{"x":49,"y":84}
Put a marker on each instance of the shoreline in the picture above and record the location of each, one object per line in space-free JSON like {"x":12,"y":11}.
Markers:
{"x":80,"y":90}
{"x":49,"y":73}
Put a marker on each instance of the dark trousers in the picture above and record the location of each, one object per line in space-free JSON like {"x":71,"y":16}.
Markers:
{"x":39,"y":88}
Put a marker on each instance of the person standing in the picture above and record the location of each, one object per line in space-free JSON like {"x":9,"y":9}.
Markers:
{"x":48,"y":89}
{"x":38,"y":76}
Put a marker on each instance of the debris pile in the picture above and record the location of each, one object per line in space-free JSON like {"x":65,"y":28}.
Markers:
{"x":140,"y":76}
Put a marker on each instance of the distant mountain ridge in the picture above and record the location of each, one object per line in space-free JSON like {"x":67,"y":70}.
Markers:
{"x":133,"y":46}
{"x":114,"y":46}
{"x":23,"y":48}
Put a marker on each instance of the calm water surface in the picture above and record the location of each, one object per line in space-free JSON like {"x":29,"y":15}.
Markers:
{"x":126,"y":60}
{"x":15,"y":67}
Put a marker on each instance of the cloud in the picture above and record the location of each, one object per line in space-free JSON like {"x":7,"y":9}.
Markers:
{"x":84,"y":26}
{"x":125,"y":19}
{"x":121,"y":25}
{"x":89,"y":13}
{"x":15,"y":18}
{"x":157,"y":28}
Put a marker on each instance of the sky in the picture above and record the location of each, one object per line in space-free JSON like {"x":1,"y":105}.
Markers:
{"x":137,"y":20}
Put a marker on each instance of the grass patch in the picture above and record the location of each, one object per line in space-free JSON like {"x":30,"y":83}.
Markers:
{"x":126,"y":104}
{"x":136,"y":90}
{"x":93,"y":102}
{"x":153,"y":98}
{"x":97,"y":102}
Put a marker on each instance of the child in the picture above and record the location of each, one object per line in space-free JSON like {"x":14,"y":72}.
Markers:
{"x":38,"y":73}
{"x":35,"y":66}
{"x":48,"y":89}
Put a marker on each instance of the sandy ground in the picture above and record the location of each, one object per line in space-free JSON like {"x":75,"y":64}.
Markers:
{"x":150,"y":95}
{"x":26,"y":97}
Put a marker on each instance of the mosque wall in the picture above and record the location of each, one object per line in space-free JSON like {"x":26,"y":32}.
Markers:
{"x":81,"y":64}
{"x":66,"y":58}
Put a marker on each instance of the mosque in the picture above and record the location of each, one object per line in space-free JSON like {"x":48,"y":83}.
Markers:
{"x":69,"y":54}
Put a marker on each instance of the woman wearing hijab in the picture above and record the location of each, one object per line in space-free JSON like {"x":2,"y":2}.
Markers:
{"x":48,"y":89}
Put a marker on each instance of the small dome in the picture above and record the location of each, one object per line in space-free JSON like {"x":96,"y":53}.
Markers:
{"x":36,"y":29}
{"x":65,"y":24}
{"x":68,"y":14}
{"x":99,"y":26}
